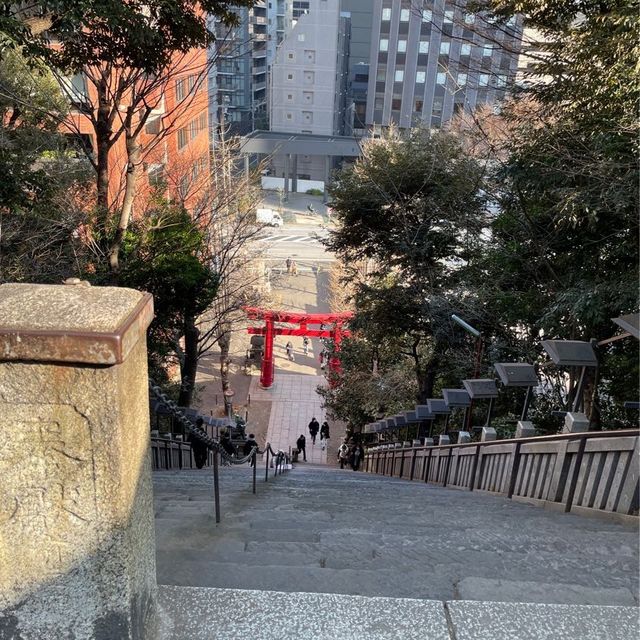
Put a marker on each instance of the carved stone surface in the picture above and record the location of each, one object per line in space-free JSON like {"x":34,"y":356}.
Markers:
{"x":77,"y":557}
{"x":464,"y":437}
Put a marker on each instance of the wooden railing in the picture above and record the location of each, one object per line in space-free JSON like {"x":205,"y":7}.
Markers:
{"x":591,"y":473}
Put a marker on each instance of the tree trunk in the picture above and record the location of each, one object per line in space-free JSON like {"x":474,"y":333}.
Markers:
{"x":190,"y":365}
{"x":224,"y":342}
{"x":133,"y":163}
{"x":103,"y":146}
{"x":426,"y":378}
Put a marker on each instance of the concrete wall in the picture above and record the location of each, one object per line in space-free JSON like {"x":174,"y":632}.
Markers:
{"x":303,"y":185}
{"x":303,"y":76}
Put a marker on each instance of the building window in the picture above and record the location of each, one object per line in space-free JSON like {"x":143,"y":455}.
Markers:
{"x":402,"y":46}
{"x":437,"y":105}
{"x":191,"y":82}
{"x":421,"y":76}
{"x":301,"y":37}
{"x":396,"y":104}
{"x":465,"y":49}
{"x":483,"y":79}
{"x":379,"y":103}
{"x":441,"y":78}
{"x":180,"y":89}
{"x":384,"y":44}
{"x":307,"y":117}
{"x":427,"y":15}
{"x":290,"y":76}
{"x":469,"y":18}
{"x":386,"y":14}
{"x":309,"y":77}
{"x":501,"y":81}
{"x":153,"y":126}
{"x":418,"y":105}
{"x":290,"y":56}
{"x":290,"y":97}
{"x":487,"y":50}
{"x":462,"y":79}
{"x":399,"y":75}
{"x":183,"y":138}
{"x":308,"y":96}
{"x":289,"y":116}
{"x":444,"y":48}
{"x":448,"y":17}
{"x":404,"y":15}
{"x":423,"y":47}
{"x":382,"y":74}
{"x":309,"y":55}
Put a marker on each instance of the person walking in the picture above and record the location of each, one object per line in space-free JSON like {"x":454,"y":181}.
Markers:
{"x":288,"y":263}
{"x":226,"y":444}
{"x":343,"y":454}
{"x":301,"y":443}
{"x":324,"y":435}
{"x":323,"y":359}
{"x":357,"y":456}
{"x":248,"y":446}
{"x":199,"y":448}
{"x":305,"y":345}
{"x":294,"y":268}
{"x":289,"y":349}
{"x":314,"y":427}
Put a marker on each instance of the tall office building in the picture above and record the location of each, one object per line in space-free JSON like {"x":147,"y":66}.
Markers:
{"x":431,"y":58}
{"x":243,"y":55}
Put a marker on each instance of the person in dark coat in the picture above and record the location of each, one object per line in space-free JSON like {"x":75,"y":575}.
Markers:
{"x":314,"y":427}
{"x":301,"y":443}
{"x":248,"y":447}
{"x":199,"y":448}
{"x":324,"y":431}
{"x":357,"y":457}
{"x":226,"y":444}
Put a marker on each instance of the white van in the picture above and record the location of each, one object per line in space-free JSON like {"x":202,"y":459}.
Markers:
{"x":269,"y":217}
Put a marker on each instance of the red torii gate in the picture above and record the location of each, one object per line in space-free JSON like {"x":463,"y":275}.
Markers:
{"x":336,"y":333}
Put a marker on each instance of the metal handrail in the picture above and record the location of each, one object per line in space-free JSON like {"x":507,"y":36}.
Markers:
{"x":282,"y":459}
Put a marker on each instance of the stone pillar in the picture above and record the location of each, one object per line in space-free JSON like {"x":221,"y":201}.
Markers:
{"x":525,"y":429}
{"x":575,"y":422}
{"x":77,"y":548}
{"x":247,"y":166}
{"x":464,"y":437}
{"x":488,"y":433}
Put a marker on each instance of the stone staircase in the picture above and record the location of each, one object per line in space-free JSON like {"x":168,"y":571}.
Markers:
{"x":323,"y":553}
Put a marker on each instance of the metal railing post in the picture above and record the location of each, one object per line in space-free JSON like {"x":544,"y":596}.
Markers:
{"x":216,"y":486}
{"x":266,"y":467}
{"x":254,"y":462}
{"x":576,"y":472}
{"x":413,"y":464}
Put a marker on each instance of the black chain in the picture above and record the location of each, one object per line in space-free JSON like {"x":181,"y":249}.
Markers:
{"x":196,"y":431}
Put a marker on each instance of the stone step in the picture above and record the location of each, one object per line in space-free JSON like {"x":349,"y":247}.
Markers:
{"x":187,"y":613}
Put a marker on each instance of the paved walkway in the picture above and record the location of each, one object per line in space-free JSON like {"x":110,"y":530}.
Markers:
{"x":294,"y":402}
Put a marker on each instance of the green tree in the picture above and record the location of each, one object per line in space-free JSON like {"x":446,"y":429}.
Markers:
{"x":166,"y":254}
{"x":412,"y":207}
{"x":41,"y":201}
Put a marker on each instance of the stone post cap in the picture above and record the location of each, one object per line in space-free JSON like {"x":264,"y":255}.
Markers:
{"x":74,"y":324}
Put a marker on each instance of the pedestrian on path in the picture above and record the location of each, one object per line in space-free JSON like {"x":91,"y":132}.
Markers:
{"x":249,"y":445}
{"x":294,"y":268}
{"x":301,"y":443}
{"x":314,"y":427}
{"x":343,"y":454}
{"x":323,"y":359}
{"x":357,"y":456}
{"x":199,"y":448}
{"x":289,"y":349}
{"x":324,"y":435}
{"x":305,"y":345}
{"x":226,"y":444}
{"x":288,"y":263}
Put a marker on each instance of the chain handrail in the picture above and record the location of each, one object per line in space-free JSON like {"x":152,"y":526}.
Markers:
{"x":280,"y":457}
{"x":194,"y":429}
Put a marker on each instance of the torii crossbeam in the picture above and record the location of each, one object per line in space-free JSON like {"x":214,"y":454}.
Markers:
{"x":270,"y":317}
